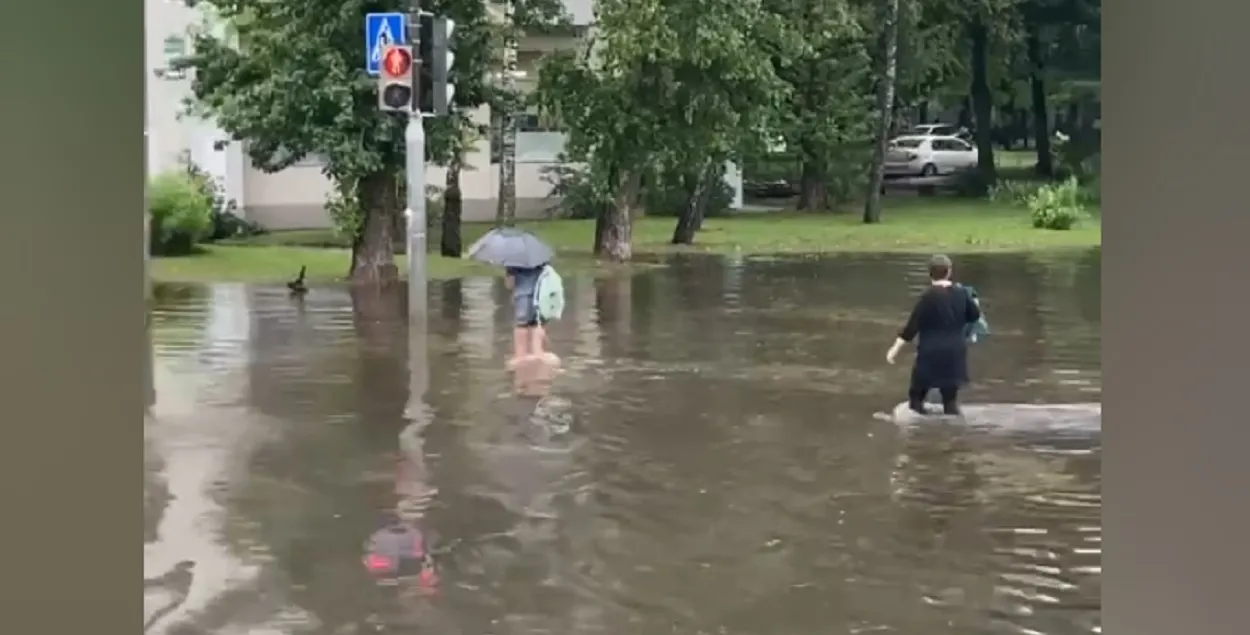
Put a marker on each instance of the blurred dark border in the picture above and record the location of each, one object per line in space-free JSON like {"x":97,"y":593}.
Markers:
{"x":1174,"y":331}
{"x":72,"y":314}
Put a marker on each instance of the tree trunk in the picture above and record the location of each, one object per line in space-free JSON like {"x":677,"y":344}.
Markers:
{"x":450,"y":243}
{"x":691,"y":216}
{"x":505,"y":213}
{"x":616,"y":240}
{"x":1037,"y":86}
{"x":373,"y":250}
{"x":885,"y":112}
{"x":813,"y":195}
{"x":965,"y":113}
{"x":982,"y":105}
{"x":922,"y":111}
{"x":603,"y":213}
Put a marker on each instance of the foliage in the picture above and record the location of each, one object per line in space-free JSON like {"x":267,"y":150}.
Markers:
{"x":573,"y":191}
{"x":1057,"y":206}
{"x":663,"y":87}
{"x":226,"y":223}
{"x":1079,"y":157}
{"x":288,"y":80}
{"x":823,"y":54}
{"x":668,"y":195}
{"x":181,"y":214}
{"x":343,"y":206}
{"x":1014,"y":192}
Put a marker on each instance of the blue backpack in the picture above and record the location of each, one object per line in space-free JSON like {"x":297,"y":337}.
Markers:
{"x":981,"y":328}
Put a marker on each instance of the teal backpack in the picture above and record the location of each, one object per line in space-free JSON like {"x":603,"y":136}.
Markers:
{"x":977,"y":331}
{"x":549,"y":295}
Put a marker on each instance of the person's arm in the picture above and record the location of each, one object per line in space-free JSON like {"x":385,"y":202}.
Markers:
{"x":907,"y":333}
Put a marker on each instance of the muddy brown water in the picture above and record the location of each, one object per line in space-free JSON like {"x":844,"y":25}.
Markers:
{"x":707,"y":461}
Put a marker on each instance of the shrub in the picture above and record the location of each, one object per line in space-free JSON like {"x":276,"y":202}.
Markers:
{"x":1059,"y":206}
{"x":182,"y":215}
{"x":575,"y":193}
{"x":226,"y":223}
{"x":667,"y":195}
{"x":1091,"y":191}
{"x":1014,"y":192}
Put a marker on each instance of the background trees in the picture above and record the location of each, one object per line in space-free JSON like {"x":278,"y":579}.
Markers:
{"x":662,"y":96}
{"x":287,"y":78}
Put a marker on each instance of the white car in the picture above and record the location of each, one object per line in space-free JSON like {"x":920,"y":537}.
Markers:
{"x":929,"y":156}
{"x":938,"y":130}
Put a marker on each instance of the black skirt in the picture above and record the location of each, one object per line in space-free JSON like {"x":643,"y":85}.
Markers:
{"x":942,"y":364}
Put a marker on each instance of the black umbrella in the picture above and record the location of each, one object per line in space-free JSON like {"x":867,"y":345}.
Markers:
{"x":511,"y":247}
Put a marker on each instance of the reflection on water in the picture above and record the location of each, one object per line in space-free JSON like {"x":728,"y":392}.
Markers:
{"x":705,"y":459}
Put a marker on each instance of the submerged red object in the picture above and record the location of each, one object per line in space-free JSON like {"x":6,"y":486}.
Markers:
{"x":399,"y":551}
{"x":378,"y":564}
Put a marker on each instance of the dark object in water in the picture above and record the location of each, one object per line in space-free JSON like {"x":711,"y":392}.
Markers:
{"x":297,"y":285}
{"x":399,"y":551}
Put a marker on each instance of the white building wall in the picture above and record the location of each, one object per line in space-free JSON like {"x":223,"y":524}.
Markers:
{"x":170,"y":133}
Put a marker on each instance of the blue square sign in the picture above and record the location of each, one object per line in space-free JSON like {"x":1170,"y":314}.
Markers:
{"x":382,"y":30}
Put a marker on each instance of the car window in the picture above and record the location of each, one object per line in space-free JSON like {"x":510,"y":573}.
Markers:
{"x":942,"y":144}
{"x":907,"y":142}
{"x":961,"y":145}
{"x":943,"y":130}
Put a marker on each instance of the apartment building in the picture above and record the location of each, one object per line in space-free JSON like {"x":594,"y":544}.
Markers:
{"x":295,"y":198}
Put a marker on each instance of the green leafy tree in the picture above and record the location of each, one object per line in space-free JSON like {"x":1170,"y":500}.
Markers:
{"x":825,"y":55}
{"x":287,"y":79}
{"x":661,"y":84}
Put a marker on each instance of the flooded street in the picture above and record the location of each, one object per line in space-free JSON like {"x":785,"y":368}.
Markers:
{"x":707,"y":462}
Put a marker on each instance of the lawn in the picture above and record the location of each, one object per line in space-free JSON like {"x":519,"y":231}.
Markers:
{"x":920,"y":225}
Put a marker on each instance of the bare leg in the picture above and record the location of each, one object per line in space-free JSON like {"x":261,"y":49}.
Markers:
{"x":538,"y":340}
{"x":520,"y":345}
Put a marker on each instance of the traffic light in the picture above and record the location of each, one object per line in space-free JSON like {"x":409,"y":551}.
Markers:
{"x":437,"y":87}
{"x":395,"y":80}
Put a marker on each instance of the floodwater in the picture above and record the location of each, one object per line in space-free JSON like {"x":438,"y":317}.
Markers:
{"x":706,"y":462}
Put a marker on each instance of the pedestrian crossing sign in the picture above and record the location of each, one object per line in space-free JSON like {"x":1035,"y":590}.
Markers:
{"x":382,"y":30}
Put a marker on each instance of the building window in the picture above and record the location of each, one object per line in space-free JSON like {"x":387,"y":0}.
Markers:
{"x":175,"y":48}
{"x":531,"y":121}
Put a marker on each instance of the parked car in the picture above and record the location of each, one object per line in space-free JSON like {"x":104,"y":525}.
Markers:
{"x":928,"y":156}
{"x":940,"y":130}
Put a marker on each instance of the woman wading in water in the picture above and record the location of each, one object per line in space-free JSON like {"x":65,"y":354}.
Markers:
{"x":940,"y":319}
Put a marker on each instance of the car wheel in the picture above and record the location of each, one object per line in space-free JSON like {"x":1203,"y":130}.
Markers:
{"x":928,"y":170}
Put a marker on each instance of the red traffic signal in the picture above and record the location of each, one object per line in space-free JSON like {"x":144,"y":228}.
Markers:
{"x":397,"y":61}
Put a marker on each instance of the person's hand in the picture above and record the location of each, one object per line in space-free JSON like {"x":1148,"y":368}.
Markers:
{"x":892,"y":354}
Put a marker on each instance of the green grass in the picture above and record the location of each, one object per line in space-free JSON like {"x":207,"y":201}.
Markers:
{"x":920,"y":225}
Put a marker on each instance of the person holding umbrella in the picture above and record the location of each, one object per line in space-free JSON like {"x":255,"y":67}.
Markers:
{"x":537,"y":290}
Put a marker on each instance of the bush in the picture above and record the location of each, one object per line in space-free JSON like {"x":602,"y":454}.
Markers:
{"x":182,"y":214}
{"x":1014,"y":192}
{"x":1059,"y":206}
{"x":575,"y":193}
{"x":226,"y":223}
{"x":1091,"y":191}
{"x":668,"y":196}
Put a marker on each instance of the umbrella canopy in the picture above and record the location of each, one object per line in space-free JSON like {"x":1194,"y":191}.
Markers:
{"x":511,"y":247}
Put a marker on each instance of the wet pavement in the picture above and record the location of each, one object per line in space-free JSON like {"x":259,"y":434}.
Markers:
{"x":706,"y":460}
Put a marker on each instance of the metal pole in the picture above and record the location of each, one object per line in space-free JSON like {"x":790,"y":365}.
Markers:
{"x":414,"y":140}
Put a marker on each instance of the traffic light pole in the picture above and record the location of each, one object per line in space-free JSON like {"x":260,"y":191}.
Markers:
{"x":414,"y":140}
